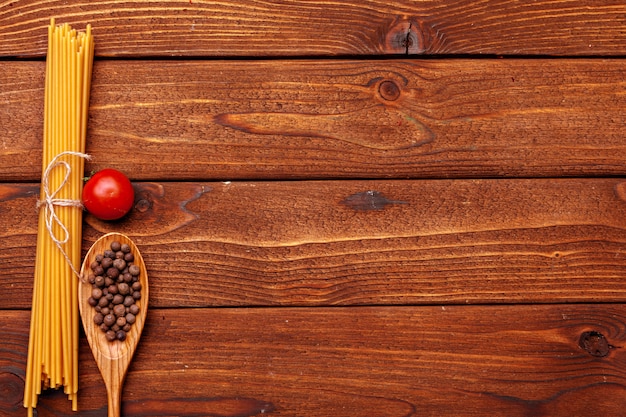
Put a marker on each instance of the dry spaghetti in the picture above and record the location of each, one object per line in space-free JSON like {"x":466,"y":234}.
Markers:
{"x":53,"y":338}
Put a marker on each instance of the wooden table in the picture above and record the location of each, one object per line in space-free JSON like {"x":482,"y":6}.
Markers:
{"x":352,"y":208}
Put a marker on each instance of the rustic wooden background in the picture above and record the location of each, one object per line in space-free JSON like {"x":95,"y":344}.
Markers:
{"x":355,"y":208}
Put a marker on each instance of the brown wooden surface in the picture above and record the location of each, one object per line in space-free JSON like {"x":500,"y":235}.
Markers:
{"x":352,"y":27}
{"x":332,"y":228}
{"x":349,"y":361}
{"x":358,"y":242}
{"x":334,"y":119}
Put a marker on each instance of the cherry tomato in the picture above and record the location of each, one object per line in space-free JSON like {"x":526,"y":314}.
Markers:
{"x":108,"y":194}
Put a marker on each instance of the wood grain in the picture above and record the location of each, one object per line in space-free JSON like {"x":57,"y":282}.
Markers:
{"x":330,"y":362}
{"x":113,"y":359}
{"x":322,"y":28}
{"x":200,"y":120}
{"x":357,"y":242}
{"x":330,"y":227}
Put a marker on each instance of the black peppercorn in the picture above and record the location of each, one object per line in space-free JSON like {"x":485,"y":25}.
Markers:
{"x":106,"y":263}
{"x":120,"y":264}
{"x":118,"y":299}
{"x":99,"y":281}
{"x":128,"y":301}
{"x":113,"y":272}
{"x":119,"y":310}
{"x":134,"y":270}
{"x":123,"y":288}
{"x":96,"y":293}
{"x":109,"y":319}
{"x":98,"y":319}
{"x":115,"y":291}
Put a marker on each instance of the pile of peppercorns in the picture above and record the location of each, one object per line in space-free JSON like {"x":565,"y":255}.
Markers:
{"x":115,"y":291}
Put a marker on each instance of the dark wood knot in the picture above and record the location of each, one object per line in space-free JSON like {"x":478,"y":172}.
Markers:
{"x":403,"y":37}
{"x":389,"y":90}
{"x":369,"y":201}
{"x":142,"y":205}
{"x":12,"y":391}
{"x":620,"y":191}
{"x":595,"y":344}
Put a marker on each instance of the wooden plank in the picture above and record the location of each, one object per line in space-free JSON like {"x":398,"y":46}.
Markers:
{"x":356,"y":242}
{"x":338,"y":119}
{"x":331,"y":362}
{"x":296,"y":28}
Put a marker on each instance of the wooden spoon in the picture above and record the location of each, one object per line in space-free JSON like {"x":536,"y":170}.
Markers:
{"x":114,"y":357}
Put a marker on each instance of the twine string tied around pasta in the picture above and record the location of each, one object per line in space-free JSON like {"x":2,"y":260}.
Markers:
{"x":51,"y":201}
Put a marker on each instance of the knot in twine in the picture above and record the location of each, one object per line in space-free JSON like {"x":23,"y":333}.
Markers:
{"x":50,"y":201}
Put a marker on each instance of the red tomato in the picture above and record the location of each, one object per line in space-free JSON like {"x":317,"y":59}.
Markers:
{"x":108,"y":194}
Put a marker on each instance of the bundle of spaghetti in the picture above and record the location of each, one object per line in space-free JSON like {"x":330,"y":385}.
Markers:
{"x":53,"y":339}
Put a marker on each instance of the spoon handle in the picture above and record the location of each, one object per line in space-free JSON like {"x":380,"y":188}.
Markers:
{"x":114,"y":399}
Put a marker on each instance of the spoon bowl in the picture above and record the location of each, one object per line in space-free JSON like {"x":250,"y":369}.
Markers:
{"x":112,"y":357}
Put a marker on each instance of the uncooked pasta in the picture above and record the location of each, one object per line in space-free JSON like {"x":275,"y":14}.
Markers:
{"x":53,"y":338}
